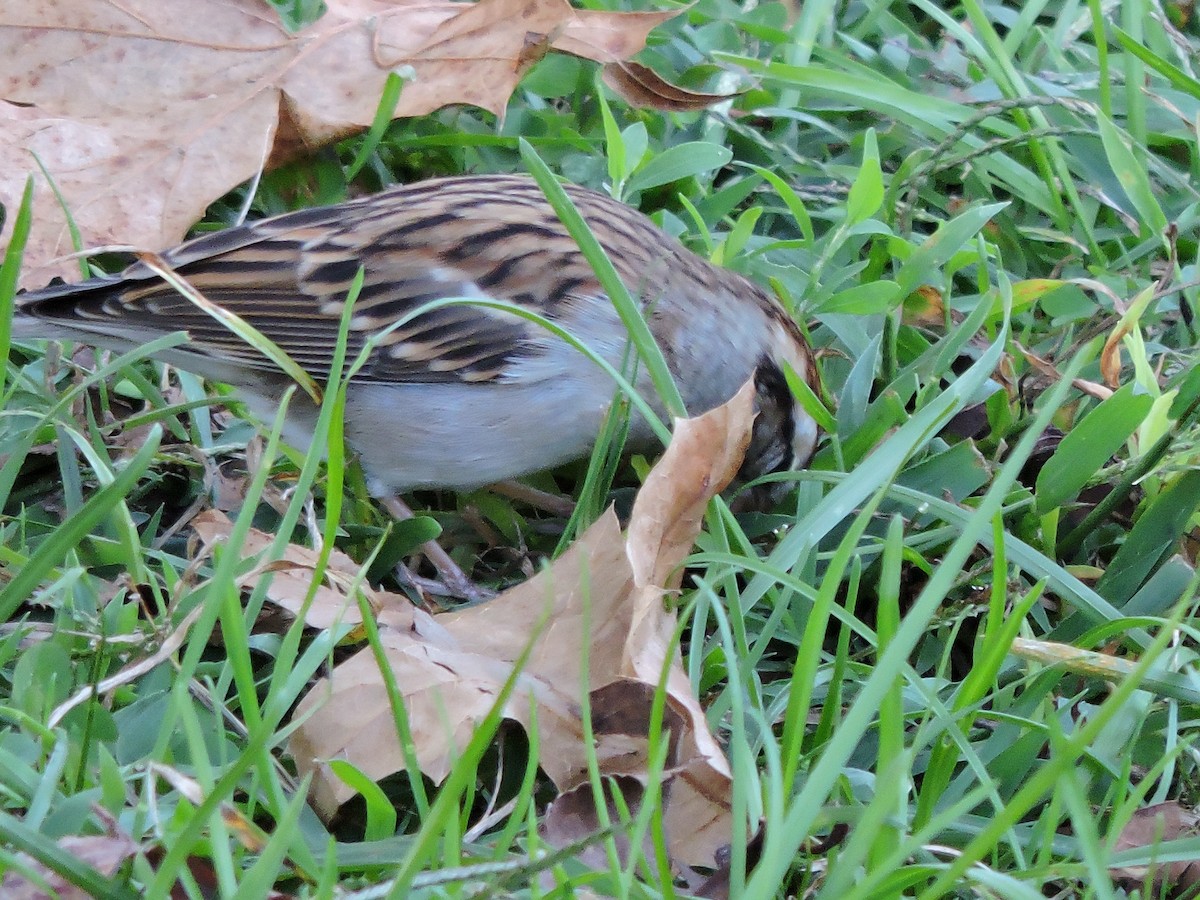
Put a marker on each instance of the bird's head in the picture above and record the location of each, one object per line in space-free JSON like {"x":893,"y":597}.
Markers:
{"x":784,"y":435}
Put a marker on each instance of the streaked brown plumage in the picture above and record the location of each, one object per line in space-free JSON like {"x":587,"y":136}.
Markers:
{"x":461,"y":396}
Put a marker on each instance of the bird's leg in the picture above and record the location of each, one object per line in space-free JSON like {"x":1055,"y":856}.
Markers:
{"x":543,"y":500}
{"x":454,"y":580}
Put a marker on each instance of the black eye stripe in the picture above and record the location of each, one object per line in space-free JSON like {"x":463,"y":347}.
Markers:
{"x":775,"y":399}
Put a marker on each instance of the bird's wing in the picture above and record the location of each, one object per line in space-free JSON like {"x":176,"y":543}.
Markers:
{"x":289,"y":277}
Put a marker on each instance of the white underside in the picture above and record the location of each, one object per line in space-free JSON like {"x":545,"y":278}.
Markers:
{"x":459,"y":436}
{"x":462,"y":436}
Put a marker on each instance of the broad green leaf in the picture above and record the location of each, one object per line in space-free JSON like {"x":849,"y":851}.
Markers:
{"x":1158,"y":421}
{"x":922,"y":266}
{"x":862,"y":300}
{"x":952,"y":474}
{"x":404,"y":537}
{"x":635,"y":140}
{"x":1157,"y":530}
{"x":1131,"y":172}
{"x":1027,"y":293}
{"x":809,"y":401}
{"x":680,"y":161}
{"x":884,"y":414}
{"x":794,"y":204}
{"x":852,"y":406}
{"x":614,"y":144}
{"x":41,"y":679}
{"x":1189,"y":394}
{"x":1087,"y":447}
{"x":1162,"y":590}
{"x":381,"y":815}
{"x":738,"y":236}
{"x":866,"y":194}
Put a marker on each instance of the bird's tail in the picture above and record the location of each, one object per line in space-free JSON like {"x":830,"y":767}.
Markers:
{"x":51,"y":311}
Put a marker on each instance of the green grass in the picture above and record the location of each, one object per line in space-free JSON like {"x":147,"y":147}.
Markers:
{"x":944,"y":196}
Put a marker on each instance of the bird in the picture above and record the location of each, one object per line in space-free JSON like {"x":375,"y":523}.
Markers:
{"x":458,"y":396}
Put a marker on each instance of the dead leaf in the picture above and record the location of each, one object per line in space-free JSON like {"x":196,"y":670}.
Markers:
{"x":1149,"y":826}
{"x":204,"y":874}
{"x":1110,"y":356}
{"x":1048,"y":369}
{"x":228,"y":489}
{"x":641,"y":86}
{"x":103,"y":853}
{"x":924,"y":306}
{"x":146,"y":111}
{"x":571,"y":818}
{"x":537,"y":45}
{"x":717,"y":885}
{"x":292,"y":575}
{"x":601,"y":601}
{"x":1091,"y":663}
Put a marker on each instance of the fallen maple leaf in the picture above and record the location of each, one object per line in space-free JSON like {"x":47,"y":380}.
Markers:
{"x":146,"y":111}
{"x":1149,"y":826}
{"x":602,"y":601}
{"x":333,"y":602}
{"x":642,"y":86}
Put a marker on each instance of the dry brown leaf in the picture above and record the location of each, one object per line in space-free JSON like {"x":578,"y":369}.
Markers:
{"x":601,"y":601}
{"x":571,"y":819}
{"x":1110,"y":355}
{"x":104,"y":853}
{"x":1149,"y":826}
{"x":292,"y":575}
{"x":146,"y":111}
{"x":924,"y":306}
{"x":1074,"y":659}
{"x":228,"y":490}
{"x":642,"y":86}
{"x":1048,"y":369}
{"x":204,"y":874}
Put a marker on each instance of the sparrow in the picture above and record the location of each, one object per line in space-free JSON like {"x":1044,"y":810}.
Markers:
{"x":459,"y":396}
